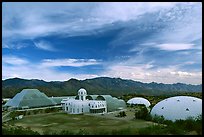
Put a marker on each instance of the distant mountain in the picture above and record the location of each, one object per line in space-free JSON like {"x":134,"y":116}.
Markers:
{"x":100,"y":85}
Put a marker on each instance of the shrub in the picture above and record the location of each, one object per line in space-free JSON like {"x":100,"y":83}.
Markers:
{"x":121,"y":114}
{"x":158,"y":119}
{"x":17,"y":130}
{"x":141,"y":112}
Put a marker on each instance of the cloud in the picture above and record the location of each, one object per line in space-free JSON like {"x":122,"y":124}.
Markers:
{"x":14,"y":46}
{"x":13,"y":60}
{"x":44,"y":46}
{"x":18,"y":67}
{"x":70,"y":18}
{"x":125,"y":11}
{"x":69,"y":62}
{"x":157,"y":32}
{"x":166,"y":75}
{"x":27,"y":70}
{"x":13,"y":66}
{"x":175,"y":46}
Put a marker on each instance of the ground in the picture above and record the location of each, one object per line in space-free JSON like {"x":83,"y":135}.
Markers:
{"x":92,"y":123}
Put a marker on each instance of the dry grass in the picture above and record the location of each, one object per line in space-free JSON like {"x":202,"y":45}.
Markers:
{"x":62,"y":121}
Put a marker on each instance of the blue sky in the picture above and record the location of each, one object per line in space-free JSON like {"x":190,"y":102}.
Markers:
{"x":150,"y":41}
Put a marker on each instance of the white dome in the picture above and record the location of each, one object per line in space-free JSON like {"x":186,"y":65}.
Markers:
{"x":139,"y":100}
{"x":82,"y":91}
{"x":179,"y":107}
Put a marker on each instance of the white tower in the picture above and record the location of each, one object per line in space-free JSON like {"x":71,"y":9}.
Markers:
{"x":82,"y":94}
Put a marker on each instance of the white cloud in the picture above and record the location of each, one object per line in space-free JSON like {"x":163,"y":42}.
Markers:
{"x":13,"y":60}
{"x":17,"y":67}
{"x":33,"y":72}
{"x":44,"y":46}
{"x":36,"y":19}
{"x":14,"y":46}
{"x":174,"y":46}
{"x":140,"y":72}
{"x":166,"y":75}
{"x":125,"y":11}
{"x":181,"y":73}
{"x":69,"y":62}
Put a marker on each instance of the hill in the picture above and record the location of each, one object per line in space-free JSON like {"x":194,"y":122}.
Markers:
{"x":100,"y":85}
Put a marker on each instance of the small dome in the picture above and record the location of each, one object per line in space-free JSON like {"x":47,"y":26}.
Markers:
{"x":139,"y":100}
{"x":178,"y":107}
{"x":82,"y":91}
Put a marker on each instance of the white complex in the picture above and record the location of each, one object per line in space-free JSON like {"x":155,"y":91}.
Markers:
{"x":139,"y":100}
{"x":82,"y":105}
{"x":179,"y":107}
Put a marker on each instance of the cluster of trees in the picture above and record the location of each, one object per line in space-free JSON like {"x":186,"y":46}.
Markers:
{"x":179,"y":127}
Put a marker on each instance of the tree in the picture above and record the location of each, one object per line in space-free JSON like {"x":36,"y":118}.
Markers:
{"x":141,"y":112}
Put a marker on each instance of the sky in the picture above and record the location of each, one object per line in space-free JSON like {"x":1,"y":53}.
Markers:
{"x":148,"y":42}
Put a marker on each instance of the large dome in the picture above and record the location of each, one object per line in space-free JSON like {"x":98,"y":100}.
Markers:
{"x":179,"y":107}
{"x":82,"y":91}
{"x":139,"y":100}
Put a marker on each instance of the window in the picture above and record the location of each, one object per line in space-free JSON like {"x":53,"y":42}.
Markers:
{"x":162,"y":108}
{"x":81,"y":109}
{"x":187,"y":109}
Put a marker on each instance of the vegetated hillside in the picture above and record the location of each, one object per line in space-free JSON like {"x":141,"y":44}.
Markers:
{"x":100,"y":85}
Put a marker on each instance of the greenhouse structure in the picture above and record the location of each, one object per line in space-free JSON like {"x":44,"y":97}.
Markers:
{"x":31,"y":98}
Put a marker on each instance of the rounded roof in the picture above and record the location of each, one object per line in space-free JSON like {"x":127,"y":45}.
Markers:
{"x":113,"y":103}
{"x":82,"y":91}
{"x":178,"y":107}
{"x":139,"y":100}
{"x":91,"y":97}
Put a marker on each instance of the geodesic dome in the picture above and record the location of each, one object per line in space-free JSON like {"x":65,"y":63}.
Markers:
{"x":139,"y":100}
{"x":178,"y":107}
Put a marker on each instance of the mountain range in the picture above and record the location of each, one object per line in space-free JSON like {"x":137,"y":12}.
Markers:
{"x":100,"y":85}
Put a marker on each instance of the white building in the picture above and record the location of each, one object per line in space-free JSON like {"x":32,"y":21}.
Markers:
{"x":139,"y":100}
{"x":178,"y":107}
{"x":81,"y":104}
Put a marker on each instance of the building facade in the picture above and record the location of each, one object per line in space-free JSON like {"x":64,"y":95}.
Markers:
{"x":84,"y":103}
